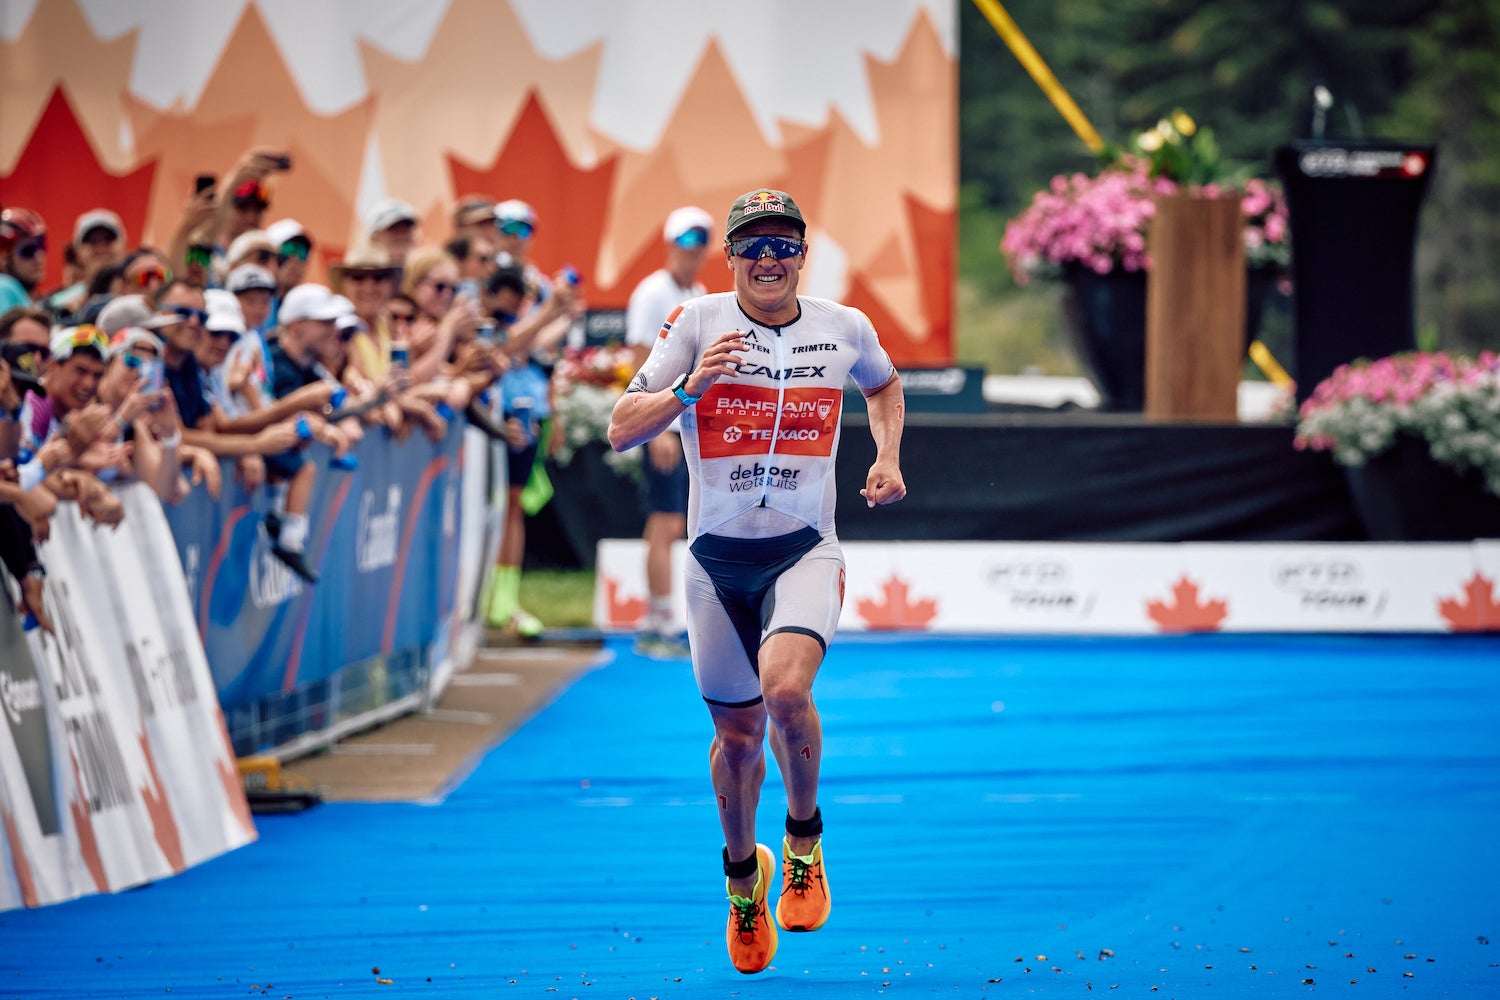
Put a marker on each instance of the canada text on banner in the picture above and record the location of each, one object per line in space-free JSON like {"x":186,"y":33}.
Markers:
{"x":116,"y":764}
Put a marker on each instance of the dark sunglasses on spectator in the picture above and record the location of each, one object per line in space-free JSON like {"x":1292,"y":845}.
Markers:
{"x":293,"y":248}
{"x":28,"y":249}
{"x":401,"y":317}
{"x":517,"y":227}
{"x":442,"y":287}
{"x":367,"y":275}
{"x":135,"y":362}
{"x":146,"y":275}
{"x":260,"y":256}
{"x":692,"y":239}
{"x":756,"y":247}
{"x":347,"y":334}
{"x":201,"y":255}
{"x":188,"y":314}
{"x":221,"y":334}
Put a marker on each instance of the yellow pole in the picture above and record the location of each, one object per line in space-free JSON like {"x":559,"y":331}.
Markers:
{"x":1267,"y":363}
{"x":1009,"y":33}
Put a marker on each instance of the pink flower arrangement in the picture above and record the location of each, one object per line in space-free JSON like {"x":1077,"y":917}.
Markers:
{"x":1451,"y":402}
{"x":1102,"y":222}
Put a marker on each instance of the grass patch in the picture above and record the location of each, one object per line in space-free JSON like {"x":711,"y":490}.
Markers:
{"x":561,"y":598}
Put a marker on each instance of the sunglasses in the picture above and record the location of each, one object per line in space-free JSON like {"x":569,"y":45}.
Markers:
{"x":31,"y":248}
{"x":692,"y":239}
{"x":401,"y":317}
{"x":294,"y":248}
{"x":260,"y":256}
{"x":442,"y":287}
{"x":756,"y":247}
{"x":367,"y":276}
{"x":517,"y":227}
{"x":188,"y":314}
{"x":223,"y":334}
{"x":200,"y":255}
{"x":135,"y":362}
{"x":146,"y":275}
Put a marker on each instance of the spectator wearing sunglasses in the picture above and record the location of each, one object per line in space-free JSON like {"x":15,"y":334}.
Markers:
{"x":431,"y":280}
{"x":25,"y":515}
{"x":664,"y":484}
{"x":180,"y":314}
{"x":147,"y":417}
{"x":392,"y":225}
{"x":68,"y":435}
{"x":23,"y":256}
{"x":293,"y":248}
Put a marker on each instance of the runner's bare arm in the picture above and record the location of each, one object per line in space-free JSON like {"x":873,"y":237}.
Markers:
{"x":640,"y":416}
{"x":887,"y":407}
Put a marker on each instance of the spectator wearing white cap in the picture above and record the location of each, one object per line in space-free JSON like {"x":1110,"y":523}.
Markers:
{"x":248,"y":366}
{"x":293,"y":247}
{"x":391,"y":224}
{"x":98,"y":244}
{"x":664,"y":484}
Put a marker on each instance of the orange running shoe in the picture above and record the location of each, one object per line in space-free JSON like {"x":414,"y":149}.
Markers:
{"x":805,"y":901}
{"x":751,"y":935}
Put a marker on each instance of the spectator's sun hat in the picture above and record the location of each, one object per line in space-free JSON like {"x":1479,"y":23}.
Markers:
{"x":311,"y":302}
{"x":130,"y":310}
{"x":248,"y":278}
{"x":98,"y":218}
{"x":390,"y":212}
{"x":70,"y":340}
{"x":688,"y":226}
{"x":131,"y":336}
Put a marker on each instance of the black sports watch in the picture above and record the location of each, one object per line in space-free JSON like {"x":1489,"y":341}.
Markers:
{"x":681,"y":393}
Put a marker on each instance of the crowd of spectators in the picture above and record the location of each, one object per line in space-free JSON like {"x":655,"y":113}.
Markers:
{"x":158,"y":364}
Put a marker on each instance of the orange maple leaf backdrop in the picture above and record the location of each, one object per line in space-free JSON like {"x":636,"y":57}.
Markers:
{"x":481,"y":109}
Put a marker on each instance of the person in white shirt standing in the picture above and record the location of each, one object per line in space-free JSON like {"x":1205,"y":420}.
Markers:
{"x":664,"y":486}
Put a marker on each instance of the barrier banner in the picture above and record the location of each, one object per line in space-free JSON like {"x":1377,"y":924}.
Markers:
{"x":115,"y":762}
{"x":291,"y":659}
{"x":1132,"y":588}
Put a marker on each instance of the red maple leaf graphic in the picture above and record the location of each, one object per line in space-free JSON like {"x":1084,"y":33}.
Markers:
{"x":24,"y":878}
{"x":897,"y":610}
{"x":163,"y":825}
{"x":234,"y":785}
{"x":88,"y":844}
{"x":59,"y":177}
{"x":621,"y":611}
{"x":1186,"y":613}
{"x":1478,"y":611}
{"x":571,"y":203}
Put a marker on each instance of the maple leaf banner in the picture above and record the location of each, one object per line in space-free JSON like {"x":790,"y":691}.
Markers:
{"x":1129,"y":589}
{"x":851,"y":106}
{"x":112,"y":746}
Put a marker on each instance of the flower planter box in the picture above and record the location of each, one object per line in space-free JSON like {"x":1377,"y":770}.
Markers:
{"x":1405,"y":495}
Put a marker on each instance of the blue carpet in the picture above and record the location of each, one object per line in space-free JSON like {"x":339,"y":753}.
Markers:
{"x":1176,"y":817}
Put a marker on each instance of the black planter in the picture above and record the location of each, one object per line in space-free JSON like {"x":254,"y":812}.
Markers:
{"x":1405,"y":495}
{"x":1106,"y":316}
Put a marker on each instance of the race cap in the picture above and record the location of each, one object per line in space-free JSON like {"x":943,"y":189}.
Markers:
{"x":69,"y":340}
{"x":123,"y":340}
{"x":763,"y":204}
{"x":283,"y":231}
{"x":515,"y":210}
{"x":130,"y":310}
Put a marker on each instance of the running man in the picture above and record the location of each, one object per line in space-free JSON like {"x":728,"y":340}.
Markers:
{"x":756,"y":377}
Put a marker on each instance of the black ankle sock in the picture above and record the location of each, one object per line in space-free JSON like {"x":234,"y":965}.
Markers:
{"x":810,"y":827}
{"x":740,"y":869}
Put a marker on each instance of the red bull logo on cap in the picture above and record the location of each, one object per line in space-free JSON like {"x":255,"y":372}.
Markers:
{"x":764,"y":201}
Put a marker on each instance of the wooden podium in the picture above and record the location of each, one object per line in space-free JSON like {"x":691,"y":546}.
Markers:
{"x":1195,"y":309}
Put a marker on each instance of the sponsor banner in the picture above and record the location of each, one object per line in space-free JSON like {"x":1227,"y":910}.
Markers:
{"x":1124,"y":589}
{"x":289,"y":658}
{"x":117,"y":769}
